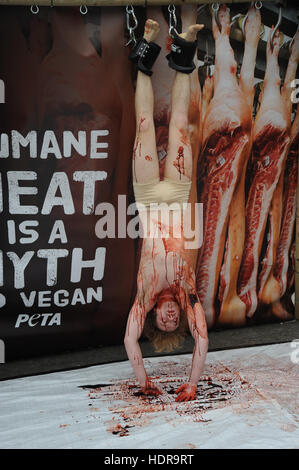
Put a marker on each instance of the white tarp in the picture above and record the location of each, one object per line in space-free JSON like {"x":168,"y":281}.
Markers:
{"x":247,"y":398}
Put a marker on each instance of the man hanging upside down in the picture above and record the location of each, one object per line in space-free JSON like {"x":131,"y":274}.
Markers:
{"x":166,"y":302}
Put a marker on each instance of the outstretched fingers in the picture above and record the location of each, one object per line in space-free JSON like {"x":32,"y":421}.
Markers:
{"x":186,"y":392}
{"x":150,"y":388}
{"x":192,"y":31}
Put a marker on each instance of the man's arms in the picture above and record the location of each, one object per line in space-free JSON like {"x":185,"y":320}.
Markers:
{"x":198,"y":329}
{"x":134,"y":330}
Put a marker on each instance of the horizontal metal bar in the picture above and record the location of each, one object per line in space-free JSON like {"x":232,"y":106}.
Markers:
{"x":103,"y":3}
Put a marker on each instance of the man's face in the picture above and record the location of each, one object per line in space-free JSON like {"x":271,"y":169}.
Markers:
{"x":167,"y":315}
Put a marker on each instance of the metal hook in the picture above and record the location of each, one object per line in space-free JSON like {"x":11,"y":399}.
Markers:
{"x":131,"y":28}
{"x":243,"y":25}
{"x":215,"y":9}
{"x":276,"y":28}
{"x":208,"y":61}
{"x":34,"y":9}
{"x":200,"y":8}
{"x":258,"y":5}
{"x":235,"y":18}
{"x":83,"y":9}
{"x":172,"y":21}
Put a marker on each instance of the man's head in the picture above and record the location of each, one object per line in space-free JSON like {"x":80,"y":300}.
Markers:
{"x":166,"y":324}
{"x":167,"y":313}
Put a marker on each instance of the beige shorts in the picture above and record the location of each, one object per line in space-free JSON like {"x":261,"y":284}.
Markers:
{"x":167,"y":191}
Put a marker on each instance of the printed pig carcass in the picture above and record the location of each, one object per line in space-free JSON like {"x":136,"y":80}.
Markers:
{"x":273,"y":277}
{"x":277,"y":282}
{"x":232,"y":309}
{"x":225,"y":151}
{"x":270,"y":146}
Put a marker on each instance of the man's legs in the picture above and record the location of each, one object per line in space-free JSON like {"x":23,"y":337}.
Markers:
{"x":178,"y":164}
{"x":145,"y":165}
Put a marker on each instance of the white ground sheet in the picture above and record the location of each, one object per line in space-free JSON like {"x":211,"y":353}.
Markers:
{"x":247,"y":398}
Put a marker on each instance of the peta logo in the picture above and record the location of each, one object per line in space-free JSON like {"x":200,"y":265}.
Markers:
{"x":40,"y":319}
{"x":2,"y":92}
{"x":2,"y":351}
{"x":295,"y":353}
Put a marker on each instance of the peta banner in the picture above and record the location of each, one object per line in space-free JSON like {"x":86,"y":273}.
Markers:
{"x":67,"y":131}
{"x":70,"y":235}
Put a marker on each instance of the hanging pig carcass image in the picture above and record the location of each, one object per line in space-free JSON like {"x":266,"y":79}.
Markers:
{"x":225,"y":151}
{"x":247,"y":183}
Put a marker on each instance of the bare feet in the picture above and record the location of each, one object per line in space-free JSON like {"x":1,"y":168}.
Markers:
{"x":151,"y":30}
{"x":192,"y":31}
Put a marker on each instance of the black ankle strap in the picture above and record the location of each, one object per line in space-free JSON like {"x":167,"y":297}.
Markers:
{"x":181,"y":55}
{"x":144,"y":55}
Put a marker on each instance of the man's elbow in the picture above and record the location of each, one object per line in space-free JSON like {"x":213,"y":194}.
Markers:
{"x":126,"y":339}
{"x":129,"y":341}
{"x":202,"y":342}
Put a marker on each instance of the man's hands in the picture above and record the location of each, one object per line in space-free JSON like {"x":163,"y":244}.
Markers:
{"x":150,"y":388}
{"x":186,"y":392}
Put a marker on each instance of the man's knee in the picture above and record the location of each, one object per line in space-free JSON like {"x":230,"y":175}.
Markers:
{"x":144,"y":123}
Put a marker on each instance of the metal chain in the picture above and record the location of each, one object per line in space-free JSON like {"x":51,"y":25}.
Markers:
{"x":276,"y":28}
{"x":215,"y":8}
{"x":172,"y":21}
{"x":132,"y":24}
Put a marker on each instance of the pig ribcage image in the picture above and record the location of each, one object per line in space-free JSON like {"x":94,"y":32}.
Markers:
{"x":247,"y":179}
{"x":224,"y":154}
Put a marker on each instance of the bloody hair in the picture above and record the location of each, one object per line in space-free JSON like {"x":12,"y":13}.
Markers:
{"x":165,"y":341}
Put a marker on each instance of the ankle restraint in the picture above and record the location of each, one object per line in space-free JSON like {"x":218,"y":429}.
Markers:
{"x":144,"y":54}
{"x":181,"y":55}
